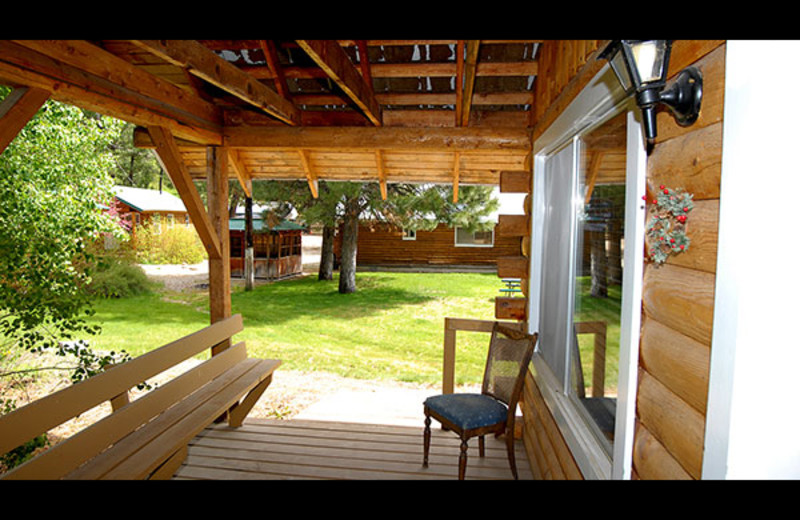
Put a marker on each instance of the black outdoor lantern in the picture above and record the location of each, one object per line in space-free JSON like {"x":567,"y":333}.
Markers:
{"x":641,"y":67}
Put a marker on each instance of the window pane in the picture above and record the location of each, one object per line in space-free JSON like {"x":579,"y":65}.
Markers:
{"x":558,"y":189}
{"x":598,"y":273}
{"x":465,"y":237}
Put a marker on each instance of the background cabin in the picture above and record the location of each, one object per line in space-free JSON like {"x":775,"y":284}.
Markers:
{"x":277,"y":250}
{"x":386,"y":245}
{"x":138,"y":206}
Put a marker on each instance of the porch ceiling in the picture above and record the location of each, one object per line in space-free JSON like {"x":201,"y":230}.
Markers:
{"x":390,"y":110}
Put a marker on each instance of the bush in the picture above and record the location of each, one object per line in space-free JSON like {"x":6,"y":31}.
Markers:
{"x":176,"y":245}
{"x":118,"y":276}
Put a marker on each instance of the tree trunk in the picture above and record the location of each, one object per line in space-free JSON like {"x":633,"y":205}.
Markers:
{"x":326,"y":254}
{"x":347,"y":269}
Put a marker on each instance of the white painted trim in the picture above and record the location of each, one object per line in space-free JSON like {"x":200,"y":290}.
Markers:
{"x":752,"y":422}
{"x":631,"y":313}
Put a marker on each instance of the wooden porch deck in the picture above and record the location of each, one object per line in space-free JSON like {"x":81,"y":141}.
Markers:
{"x":267,"y":449}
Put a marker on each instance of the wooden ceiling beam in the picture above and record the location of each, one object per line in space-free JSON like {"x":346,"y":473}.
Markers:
{"x":84,"y":75}
{"x":271,"y":55}
{"x":383,"y":138}
{"x":17,"y":109}
{"x":407,"y":70}
{"x":364,"y":65}
{"x":333,"y":60}
{"x":470,"y":68}
{"x":456,"y":175}
{"x":206,"y":65}
{"x":245,"y":180}
{"x":311,"y":175}
{"x":381,"y":173}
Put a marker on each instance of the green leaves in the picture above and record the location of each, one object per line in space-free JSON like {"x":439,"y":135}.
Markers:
{"x":53,"y":180}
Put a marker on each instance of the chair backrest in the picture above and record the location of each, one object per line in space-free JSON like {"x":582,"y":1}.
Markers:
{"x":510,"y":352}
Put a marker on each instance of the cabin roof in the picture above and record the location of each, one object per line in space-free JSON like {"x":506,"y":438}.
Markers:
{"x":142,"y":199}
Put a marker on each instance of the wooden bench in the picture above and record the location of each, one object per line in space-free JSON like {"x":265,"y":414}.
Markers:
{"x":148,"y":437}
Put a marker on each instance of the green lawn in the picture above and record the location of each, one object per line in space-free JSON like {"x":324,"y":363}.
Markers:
{"x":391,"y":328}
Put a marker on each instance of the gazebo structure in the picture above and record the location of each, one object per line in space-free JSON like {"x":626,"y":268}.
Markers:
{"x":543,"y":117}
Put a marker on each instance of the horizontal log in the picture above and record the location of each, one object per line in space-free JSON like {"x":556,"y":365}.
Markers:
{"x":680,"y":298}
{"x":548,"y":436}
{"x":506,"y":308}
{"x":512,"y":225}
{"x":676,"y":425}
{"x":702,"y":229}
{"x":515,"y":182}
{"x":712,"y":67}
{"x":677,"y":361}
{"x":692,"y":161}
{"x":512,"y":267}
{"x":651,"y":461}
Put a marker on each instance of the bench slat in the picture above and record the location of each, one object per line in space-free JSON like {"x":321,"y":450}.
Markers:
{"x":31,"y":420}
{"x":141,"y":452}
{"x":67,"y":455}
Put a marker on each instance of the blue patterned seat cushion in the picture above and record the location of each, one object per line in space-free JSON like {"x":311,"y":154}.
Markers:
{"x":468,"y":411}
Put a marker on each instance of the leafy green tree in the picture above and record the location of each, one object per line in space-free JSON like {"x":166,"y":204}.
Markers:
{"x":54,"y":179}
{"x":410,"y":206}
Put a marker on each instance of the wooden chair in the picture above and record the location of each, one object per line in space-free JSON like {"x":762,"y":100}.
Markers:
{"x":494,"y":409}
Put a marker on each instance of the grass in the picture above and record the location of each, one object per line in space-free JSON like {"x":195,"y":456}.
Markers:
{"x":600,"y":309}
{"x":392,"y":328}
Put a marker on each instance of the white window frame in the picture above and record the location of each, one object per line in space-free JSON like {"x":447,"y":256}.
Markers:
{"x":458,"y":244}
{"x":600,"y":99}
{"x":409,"y":234}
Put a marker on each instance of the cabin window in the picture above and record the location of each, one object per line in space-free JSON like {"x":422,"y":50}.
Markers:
{"x":466,"y":238}
{"x":170,"y":220}
{"x":409,"y":234}
{"x":586,"y":251}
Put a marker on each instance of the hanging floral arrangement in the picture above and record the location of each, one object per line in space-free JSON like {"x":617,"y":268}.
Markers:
{"x":666,"y":230}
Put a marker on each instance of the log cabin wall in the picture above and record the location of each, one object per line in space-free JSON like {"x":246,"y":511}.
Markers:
{"x":384,"y":245}
{"x":677,"y":308}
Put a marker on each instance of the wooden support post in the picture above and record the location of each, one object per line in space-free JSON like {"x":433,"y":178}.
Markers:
{"x":16,"y":110}
{"x":249,"y":268}
{"x":219,"y":269}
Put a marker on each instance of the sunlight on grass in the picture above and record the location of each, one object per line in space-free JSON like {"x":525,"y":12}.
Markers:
{"x":391,"y":328}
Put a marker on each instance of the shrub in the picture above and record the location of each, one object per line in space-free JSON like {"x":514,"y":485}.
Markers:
{"x":178,"y":244}
{"x":118,"y":276}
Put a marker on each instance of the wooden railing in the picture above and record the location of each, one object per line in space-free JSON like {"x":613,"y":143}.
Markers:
{"x":598,"y":328}
{"x":453,"y":325}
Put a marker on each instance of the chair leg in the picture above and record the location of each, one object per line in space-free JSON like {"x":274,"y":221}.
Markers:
{"x":511,"y":456}
{"x":462,"y":460}
{"x":426,"y":441}
{"x":482,"y":445}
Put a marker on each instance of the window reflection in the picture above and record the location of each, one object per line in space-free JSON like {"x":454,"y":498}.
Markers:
{"x":594,"y":355}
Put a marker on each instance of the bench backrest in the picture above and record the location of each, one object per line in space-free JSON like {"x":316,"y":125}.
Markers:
{"x":40,"y":416}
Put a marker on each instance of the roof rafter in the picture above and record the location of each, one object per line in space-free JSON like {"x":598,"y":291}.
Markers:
{"x":206,"y":65}
{"x":332,"y":59}
{"x":469,"y":71}
{"x":82,"y":74}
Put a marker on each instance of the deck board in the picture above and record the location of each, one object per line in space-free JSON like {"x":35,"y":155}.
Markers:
{"x":268,"y":449}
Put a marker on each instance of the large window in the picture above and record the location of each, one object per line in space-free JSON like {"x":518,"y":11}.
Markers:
{"x":587,"y":255}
